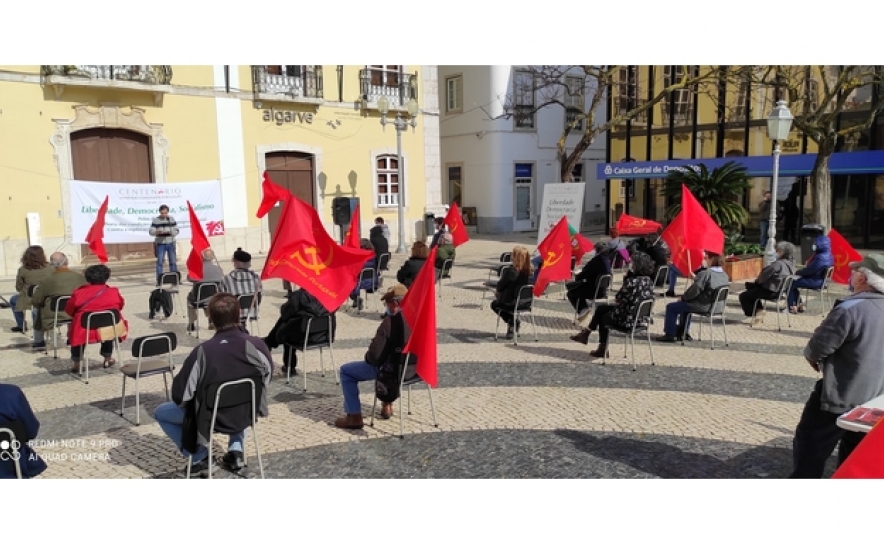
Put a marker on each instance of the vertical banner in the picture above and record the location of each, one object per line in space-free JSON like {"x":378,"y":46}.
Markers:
{"x":132,"y":207}
{"x":560,"y":199}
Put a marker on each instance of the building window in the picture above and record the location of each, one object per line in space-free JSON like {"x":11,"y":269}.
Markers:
{"x":811,"y":93}
{"x":386,"y":75}
{"x":388,"y":181}
{"x":628,"y":93}
{"x":523,"y":92}
{"x":455,"y":184}
{"x":577,"y":173}
{"x":680,"y":97}
{"x":574,"y":102}
{"x":454,"y":94}
{"x":523,"y":181}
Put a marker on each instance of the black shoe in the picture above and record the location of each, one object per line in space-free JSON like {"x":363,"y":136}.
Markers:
{"x":234,"y":461}
{"x":665,"y":338}
{"x":670,"y":294}
{"x":191,"y":327}
{"x":688,"y":338}
{"x":200,"y":469}
{"x":359,"y":304}
{"x":285,"y":371}
{"x":16,"y":329}
{"x":38,"y":345}
{"x":509,"y":332}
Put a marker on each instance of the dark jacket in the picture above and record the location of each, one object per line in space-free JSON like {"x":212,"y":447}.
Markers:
{"x":508,"y":286}
{"x":635,"y":290}
{"x":598,"y":266}
{"x":14,"y":406}
{"x":385,"y":343}
{"x":815,"y":269}
{"x":230,"y":355}
{"x":295,"y":312}
{"x":380,"y":243}
{"x":409,"y":270}
{"x":773,"y":275}
{"x":699,"y":295}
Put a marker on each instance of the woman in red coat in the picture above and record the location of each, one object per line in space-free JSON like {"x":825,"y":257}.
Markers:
{"x":93,"y":297}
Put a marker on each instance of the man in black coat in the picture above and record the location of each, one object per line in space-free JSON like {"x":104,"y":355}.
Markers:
{"x":291,"y":326}
{"x":379,"y":241}
{"x":583,"y":287}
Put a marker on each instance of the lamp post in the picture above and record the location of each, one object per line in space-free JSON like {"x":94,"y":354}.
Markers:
{"x":779,"y":122}
{"x":401,"y":124}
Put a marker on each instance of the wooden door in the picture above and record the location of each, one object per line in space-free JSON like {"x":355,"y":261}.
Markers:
{"x":113,"y":155}
{"x":293,"y":171}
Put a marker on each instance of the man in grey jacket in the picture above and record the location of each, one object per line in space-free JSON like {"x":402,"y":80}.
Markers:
{"x":698,"y":299}
{"x":848,"y":349}
{"x":164,"y":229}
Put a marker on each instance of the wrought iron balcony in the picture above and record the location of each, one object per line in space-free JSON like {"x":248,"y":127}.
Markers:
{"x":300,"y":83}
{"x":154,"y":78}
{"x":397,"y":87}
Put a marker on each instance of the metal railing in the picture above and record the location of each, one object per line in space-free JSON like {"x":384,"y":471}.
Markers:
{"x":304,"y":83}
{"x":398,"y":87}
{"x":150,"y":74}
{"x":388,"y":199}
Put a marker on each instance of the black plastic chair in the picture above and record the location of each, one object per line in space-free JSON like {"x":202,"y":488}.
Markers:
{"x":719,"y":306}
{"x":409,"y":377}
{"x":148,"y":346}
{"x":96,"y":320}
{"x":383,"y":263}
{"x":171,"y":282}
{"x":57,"y":305}
{"x":310,"y":327}
{"x":229,"y":395}
{"x":16,"y":435}
{"x":641,"y":321}
{"x":366,"y":274}
{"x":491,"y":286}
{"x":524,"y":305}
{"x":781,"y":296}
{"x":248,"y":310}
{"x":204,"y":291}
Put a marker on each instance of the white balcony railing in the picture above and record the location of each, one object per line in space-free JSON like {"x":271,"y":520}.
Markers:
{"x":303,"y":83}
{"x":388,"y":199}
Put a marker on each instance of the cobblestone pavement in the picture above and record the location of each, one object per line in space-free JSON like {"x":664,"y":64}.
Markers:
{"x":541,"y":409}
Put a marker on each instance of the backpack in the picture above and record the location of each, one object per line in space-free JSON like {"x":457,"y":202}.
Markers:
{"x":160,"y":301}
{"x":390,"y":369}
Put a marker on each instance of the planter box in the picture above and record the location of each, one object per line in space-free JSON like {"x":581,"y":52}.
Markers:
{"x":746,"y":268}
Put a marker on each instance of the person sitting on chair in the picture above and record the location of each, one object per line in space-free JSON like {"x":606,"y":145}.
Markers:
{"x":444,"y":252}
{"x":62,"y":281}
{"x":511,"y":281}
{"x":698,"y":299}
{"x":637,"y":288}
{"x":367,"y":282}
{"x":440,"y":230}
{"x":813,"y":274}
{"x":583,"y":287}
{"x":242,"y":280}
{"x":95,"y":296}
{"x":212,"y":273}
{"x":290,"y":328}
{"x":14,"y":407}
{"x":391,"y":336}
{"x":34,"y":269}
{"x":231,"y":354}
{"x":768,"y":283}
{"x":379,"y":236}
{"x":411,"y":267}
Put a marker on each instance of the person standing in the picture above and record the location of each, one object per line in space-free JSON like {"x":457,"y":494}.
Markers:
{"x":764,"y":217}
{"x":379,"y":236}
{"x":847,"y":350}
{"x":164,"y":229}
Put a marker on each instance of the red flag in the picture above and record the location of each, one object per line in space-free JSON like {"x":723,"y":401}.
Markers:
{"x":273,"y":193}
{"x":95,"y":237}
{"x":556,"y":252}
{"x":419,"y":310}
{"x":692,"y":232}
{"x":865,"y":461}
{"x":580,"y":246}
{"x":844,"y":254}
{"x":351,"y":238}
{"x":198,"y":244}
{"x":303,"y":253}
{"x":454,"y":220}
{"x":635,"y":226}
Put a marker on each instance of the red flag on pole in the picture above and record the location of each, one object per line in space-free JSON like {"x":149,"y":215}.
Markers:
{"x":419,"y":310}
{"x":635,"y":226}
{"x":692,"y":232}
{"x":454,"y":220}
{"x":95,"y":237}
{"x":351,"y":238}
{"x":844,"y":254}
{"x":198,"y":244}
{"x":556,"y":252}
{"x":273,"y":193}
{"x":303,"y":253}
{"x":865,"y":461}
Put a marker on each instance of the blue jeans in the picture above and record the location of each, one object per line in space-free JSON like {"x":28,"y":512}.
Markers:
{"x":20,"y":320}
{"x":674,"y":274}
{"x":162,"y":251}
{"x":536,"y":263}
{"x":764,"y":225}
{"x":171,"y":419}
{"x":676,"y":313}
{"x":351,"y":375}
{"x":794,"y":296}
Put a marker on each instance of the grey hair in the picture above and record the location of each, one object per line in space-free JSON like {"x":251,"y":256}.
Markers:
{"x":787,"y":249}
{"x":875,"y":281}
{"x":58,"y":260}
{"x":448,"y":238}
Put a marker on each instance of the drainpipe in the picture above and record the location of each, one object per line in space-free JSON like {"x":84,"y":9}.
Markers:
{"x":340,"y":82}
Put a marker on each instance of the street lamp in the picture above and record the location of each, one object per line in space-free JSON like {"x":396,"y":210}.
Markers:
{"x":401,"y":124}
{"x":779,"y":122}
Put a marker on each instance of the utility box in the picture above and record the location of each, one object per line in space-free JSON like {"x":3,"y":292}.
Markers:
{"x":809,"y":234}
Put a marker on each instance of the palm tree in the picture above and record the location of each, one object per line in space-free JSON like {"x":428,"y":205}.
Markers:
{"x":718,"y":191}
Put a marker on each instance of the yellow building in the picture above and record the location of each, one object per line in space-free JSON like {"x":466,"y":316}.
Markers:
{"x":316,"y":129}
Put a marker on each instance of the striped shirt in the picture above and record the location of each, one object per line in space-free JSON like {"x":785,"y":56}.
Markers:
{"x":164,"y":229}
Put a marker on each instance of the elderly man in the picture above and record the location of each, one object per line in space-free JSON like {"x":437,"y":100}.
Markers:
{"x":62,"y":281}
{"x":231,"y":354}
{"x":390,"y":338}
{"x":848,"y":349}
{"x":212,"y":273}
{"x":444,"y":252}
{"x":242,"y":280}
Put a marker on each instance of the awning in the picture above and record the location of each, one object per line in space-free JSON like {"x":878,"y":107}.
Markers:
{"x":856,"y":162}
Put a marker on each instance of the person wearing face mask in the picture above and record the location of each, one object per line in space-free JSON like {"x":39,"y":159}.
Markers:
{"x":388,"y":341}
{"x":813,"y":273}
{"x":847,"y":350}
{"x":698,"y":298}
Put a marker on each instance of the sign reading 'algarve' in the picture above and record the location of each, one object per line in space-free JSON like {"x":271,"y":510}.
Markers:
{"x":280,"y":117}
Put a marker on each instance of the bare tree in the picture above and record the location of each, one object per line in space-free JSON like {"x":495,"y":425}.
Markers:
{"x":817,"y":96}
{"x":582,"y":90}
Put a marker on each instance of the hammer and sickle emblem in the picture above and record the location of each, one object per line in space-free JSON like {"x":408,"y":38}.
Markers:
{"x":551,"y":258}
{"x":841,"y":259}
{"x":316,"y":265}
{"x":637,"y":223}
{"x":452,"y":228}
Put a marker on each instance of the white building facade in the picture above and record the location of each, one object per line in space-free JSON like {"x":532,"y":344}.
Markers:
{"x":499,"y":164}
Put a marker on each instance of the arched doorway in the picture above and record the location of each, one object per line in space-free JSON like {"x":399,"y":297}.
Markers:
{"x":113,"y":155}
{"x":294,"y":171}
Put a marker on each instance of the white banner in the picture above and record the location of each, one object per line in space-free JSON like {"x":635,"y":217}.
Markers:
{"x":560,"y":199}
{"x":132,"y":207}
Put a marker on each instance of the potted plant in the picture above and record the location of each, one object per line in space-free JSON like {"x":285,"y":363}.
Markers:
{"x":743,"y":260}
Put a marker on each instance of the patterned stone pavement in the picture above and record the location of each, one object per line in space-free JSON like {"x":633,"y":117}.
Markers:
{"x":537,"y":410}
